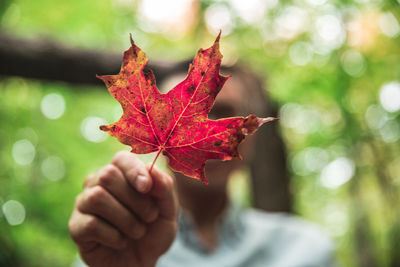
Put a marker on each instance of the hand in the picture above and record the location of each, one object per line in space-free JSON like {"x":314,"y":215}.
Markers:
{"x":125,"y":216}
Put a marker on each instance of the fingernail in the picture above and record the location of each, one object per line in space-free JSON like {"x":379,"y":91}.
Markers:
{"x":141,"y":183}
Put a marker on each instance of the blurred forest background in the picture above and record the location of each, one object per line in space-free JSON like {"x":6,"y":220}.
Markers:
{"x":333,"y":66}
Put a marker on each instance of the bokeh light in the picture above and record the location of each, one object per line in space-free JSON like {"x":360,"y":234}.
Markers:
{"x":390,"y":131}
{"x":389,"y":96}
{"x":117,"y":112}
{"x":53,"y":106}
{"x":90,"y":129}
{"x":389,"y":25}
{"x":301,"y":53}
{"x":53,"y":168}
{"x":14,"y":212}
{"x":316,"y":2}
{"x":291,"y":22}
{"x":219,"y":18}
{"x":329,"y":33}
{"x":375,"y":116}
{"x":23,"y":152}
{"x":353,"y":63}
{"x":300,"y":119}
{"x":337,"y":173}
{"x":310,"y":160}
{"x":167,"y":16}
{"x":252,"y":11}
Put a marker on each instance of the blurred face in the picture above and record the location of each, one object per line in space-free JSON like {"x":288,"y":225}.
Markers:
{"x":227,"y":104}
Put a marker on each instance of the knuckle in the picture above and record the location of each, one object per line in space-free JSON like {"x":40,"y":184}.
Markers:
{"x":110,"y":170}
{"x":133,"y":228}
{"x":115,"y":238}
{"x":138,"y":231}
{"x":87,"y":180}
{"x":108,"y":175}
{"x":81,"y":202}
{"x":96,"y":196}
{"x":106,"y":180}
{"x":120,"y":156}
{"x":90,"y":226}
{"x":149,"y":211}
{"x":132,"y":173}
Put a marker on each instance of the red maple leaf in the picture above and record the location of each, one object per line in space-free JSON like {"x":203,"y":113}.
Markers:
{"x":176,"y":123}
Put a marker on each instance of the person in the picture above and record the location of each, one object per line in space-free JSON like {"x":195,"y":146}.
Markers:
{"x":129,"y":216}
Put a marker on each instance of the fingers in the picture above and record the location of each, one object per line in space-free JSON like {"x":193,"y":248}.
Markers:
{"x":129,"y":187}
{"x":112,"y":179}
{"x":99,"y":202}
{"x":163,"y":190}
{"x":87,"y":231}
{"x":134,"y":171}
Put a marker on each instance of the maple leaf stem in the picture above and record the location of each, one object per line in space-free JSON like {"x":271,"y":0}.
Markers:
{"x":154,"y":161}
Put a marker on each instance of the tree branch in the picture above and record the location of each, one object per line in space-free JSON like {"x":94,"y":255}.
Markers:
{"x":47,"y":60}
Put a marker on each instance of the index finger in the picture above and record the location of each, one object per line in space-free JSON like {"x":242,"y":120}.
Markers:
{"x":163,"y":191}
{"x":134,"y":171}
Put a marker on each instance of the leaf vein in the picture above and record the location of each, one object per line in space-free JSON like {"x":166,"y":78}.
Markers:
{"x":187,"y":105}
{"x":198,"y":141}
{"x":184,"y":165}
{"x":141,"y":140}
{"x":147,"y":113}
{"x":205,"y":150}
{"x":138,"y":110}
{"x":201,"y":100}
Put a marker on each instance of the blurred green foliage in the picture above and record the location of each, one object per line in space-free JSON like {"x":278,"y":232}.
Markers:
{"x":333,"y":66}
